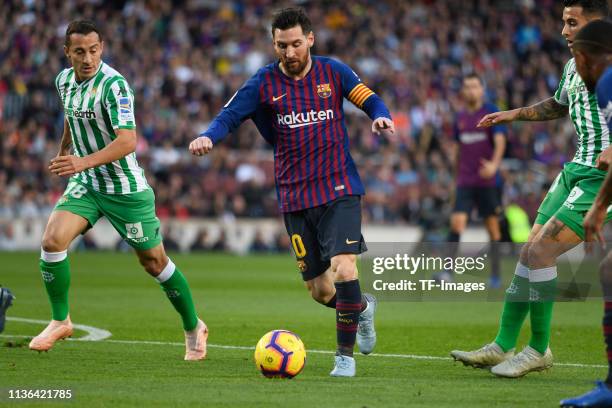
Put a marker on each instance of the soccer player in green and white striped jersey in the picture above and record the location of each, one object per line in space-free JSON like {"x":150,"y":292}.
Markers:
{"x":97,"y":153}
{"x":558,"y":226}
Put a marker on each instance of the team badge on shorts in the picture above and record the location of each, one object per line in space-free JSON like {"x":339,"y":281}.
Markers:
{"x":324,"y":90}
{"x":302,"y":265}
{"x":134,"y":231}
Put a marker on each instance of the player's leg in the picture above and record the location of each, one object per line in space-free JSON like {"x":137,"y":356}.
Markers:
{"x":175,"y":286}
{"x":133,"y":216}
{"x":516,"y":301}
{"x":464,"y":202}
{"x":489,"y":208}
{"x":322,"y":289}
{"x":6,"y":300}
{"x":601,"y":395}
{"x":339,"y":237}
{"x":74,"y":213}
{"x":62,"y":228}
{"x":554,"y":239}
{"x":515,"y":310}
{"x":348,"y":303}
{"x":458,"y":223}
{"x":315,"y":271}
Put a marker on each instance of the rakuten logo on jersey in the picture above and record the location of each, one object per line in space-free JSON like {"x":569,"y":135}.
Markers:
{"x":295,"y":120}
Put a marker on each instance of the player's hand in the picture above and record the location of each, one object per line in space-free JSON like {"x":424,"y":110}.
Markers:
{"x":488,"y":169}
{"x":604,"y":160}
{"x":67,"y":165}
{"x":497,"y":118}
{"x":383,"y":124}
{"x":201,"y":146}
{"x":593,"y":223}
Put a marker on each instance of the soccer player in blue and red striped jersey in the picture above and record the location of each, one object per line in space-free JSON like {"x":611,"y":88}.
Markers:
{"x":296,"y":104}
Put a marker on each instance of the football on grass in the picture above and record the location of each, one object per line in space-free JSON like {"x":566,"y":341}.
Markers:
{"x":280,"y":354}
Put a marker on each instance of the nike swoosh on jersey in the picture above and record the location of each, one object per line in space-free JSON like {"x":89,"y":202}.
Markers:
{"x":276,"y":98}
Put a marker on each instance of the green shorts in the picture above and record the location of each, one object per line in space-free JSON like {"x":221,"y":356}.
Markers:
{"x":132,"y":215}
{"x":571,"y":196}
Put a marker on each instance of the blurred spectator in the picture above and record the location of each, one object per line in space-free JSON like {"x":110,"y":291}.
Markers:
{"x":201,"y":242}
{"x":87,"y":243}
{"x":282,"y":244}
{"x":259,"y":244}
{"x":220,"y":244}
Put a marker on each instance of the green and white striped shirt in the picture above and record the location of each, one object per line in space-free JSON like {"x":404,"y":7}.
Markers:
{"x":94,"y":109}
{"x":590,"y":124}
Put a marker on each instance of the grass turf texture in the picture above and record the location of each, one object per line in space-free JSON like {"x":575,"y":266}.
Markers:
{"x":241,"y":298}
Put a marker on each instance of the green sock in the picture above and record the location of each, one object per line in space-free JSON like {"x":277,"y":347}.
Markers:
{"x":543,"y":298}
{"x":177,"y":290}
{"x":516,"y":307}
{"x":56,"y":276}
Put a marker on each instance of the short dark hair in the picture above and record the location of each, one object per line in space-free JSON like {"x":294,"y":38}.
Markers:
{"x":472,"y":75}
{"x":595,"y":37}
{"x":81,"y":27}
{"x":290,"y":17}
{"x":599,"y":7}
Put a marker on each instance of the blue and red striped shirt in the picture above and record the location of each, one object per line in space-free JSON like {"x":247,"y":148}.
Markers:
{"x":304,"y":121}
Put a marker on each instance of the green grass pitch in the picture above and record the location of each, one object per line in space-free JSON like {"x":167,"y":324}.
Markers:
{"x":241,"y":298}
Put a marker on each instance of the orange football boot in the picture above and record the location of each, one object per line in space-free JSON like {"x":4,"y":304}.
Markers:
{"x":195,"y":342}
{"x":56,"y":330}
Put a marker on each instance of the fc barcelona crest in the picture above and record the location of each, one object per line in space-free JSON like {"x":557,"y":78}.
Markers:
{"x":324,"y":90}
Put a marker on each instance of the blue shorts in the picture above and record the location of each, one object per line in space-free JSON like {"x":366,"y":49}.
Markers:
{"x":486,"y":199}
{"x":320,"y":233}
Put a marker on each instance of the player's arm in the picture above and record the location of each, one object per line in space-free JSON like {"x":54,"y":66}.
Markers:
{"x":66,"y":141}
{"x":488,"y":168}
{"x":365,"y":99}
{"x":548,"y":109}
{"x":240,"y":107}
{"x":124,"y":144}
{"x":554,"y":107}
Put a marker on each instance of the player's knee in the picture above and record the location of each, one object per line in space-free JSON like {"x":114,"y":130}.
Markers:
{"x":321,"y":294}
{"x":539,"y":255}
{"x":524,"y":255}
{"x":52,"y":243}
{"x":344,"y":267}
{"x":153,"y":265}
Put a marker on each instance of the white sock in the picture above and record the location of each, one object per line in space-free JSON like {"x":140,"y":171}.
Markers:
{"x":167,"y":272}
{"x":521,"y":270}
{"x":53,"y":256}
{"x":543,"y":275}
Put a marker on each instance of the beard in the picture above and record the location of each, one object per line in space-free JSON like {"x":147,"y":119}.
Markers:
{"x":297,"y":66}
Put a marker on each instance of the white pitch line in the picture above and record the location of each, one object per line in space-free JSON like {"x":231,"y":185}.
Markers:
{"x":229,"y":347}
{"x":93,"y":333}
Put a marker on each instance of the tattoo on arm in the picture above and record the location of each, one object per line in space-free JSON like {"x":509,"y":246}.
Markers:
{"x":552,"y":229}
{"x":546,"y":110}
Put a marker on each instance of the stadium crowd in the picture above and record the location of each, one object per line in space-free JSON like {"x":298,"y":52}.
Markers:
{"x":184,"y":60}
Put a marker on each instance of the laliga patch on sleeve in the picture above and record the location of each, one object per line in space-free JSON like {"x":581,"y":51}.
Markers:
{"x":125,"y":111}
{"x":124,"y":103}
